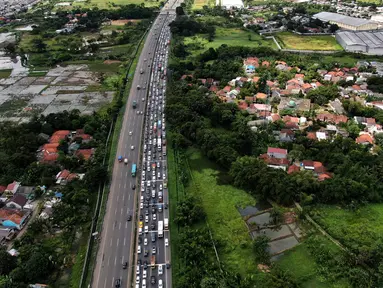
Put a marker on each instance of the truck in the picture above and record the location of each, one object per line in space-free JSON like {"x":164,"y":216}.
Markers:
{"x":134,"y":169}
{"x":166,"y":221}
{"x":159,"y":146}
{"x":160,"y":229}
{"x":153,"y":261}
{"x":134,"y":104}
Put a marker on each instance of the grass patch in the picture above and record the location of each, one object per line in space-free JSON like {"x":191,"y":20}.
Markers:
{"x":78,"y":264}
{"x":37,"y":73}
{"x":352,"y":228}
{"x":220,"y":203}
{"x":298,"y":42}
{"x":198,"y":4}
{"x":301,"y":264}
{"x":5,"y":73}
{"x":102,"y":4}
{"x":229,"y":36}
{"x":13,"y":105}
{"x":98,"y":66}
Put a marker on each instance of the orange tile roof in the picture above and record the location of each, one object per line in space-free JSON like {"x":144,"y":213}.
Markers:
{"x":16,"y":216}
{"x":50,"y":145}
{"x":61,"y":133}
{"x":255,"y":79}
{"x":364,"y":138}
{"x":292,"y":169}
{"x":311,"y":135}
{"x":260,"y":95}
{"x":299,"y":75}
{"x":86,"y":153}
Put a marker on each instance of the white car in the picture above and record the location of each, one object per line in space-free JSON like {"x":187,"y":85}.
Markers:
{"x":130,"y":133}
{"x":138,"y":270}
{"x":132,"y":147}
{"x":160,"y":187}
{"x":160,"y":270}
{"x":139,"y":249}
{"x":144,"y":274}
{"x":141,"y":205}
{"x":146,"y":229}
{"x":146,"y":219}
{"x":154,"y":217}
{"x":144,"y":283}
{"x":138,"y":279}
{"x":164,"y":176}
{"x":148,"y":184}
{"x":166,"y":242}
{"x":160,"y":283}
{"x":146,"y":241}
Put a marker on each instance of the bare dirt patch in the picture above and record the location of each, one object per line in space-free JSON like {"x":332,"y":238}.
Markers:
{"x":111,"y":61}
{"x":122,"y":22}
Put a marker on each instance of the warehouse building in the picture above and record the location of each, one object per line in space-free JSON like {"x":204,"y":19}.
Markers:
{"x":363,"y":42}
{"x":346,"y":22}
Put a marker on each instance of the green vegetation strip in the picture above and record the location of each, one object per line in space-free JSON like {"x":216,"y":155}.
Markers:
{"x":290,"y":40}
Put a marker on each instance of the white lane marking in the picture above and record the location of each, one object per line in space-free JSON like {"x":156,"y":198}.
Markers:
{"x":119,"y":185}
{"x":126,"y":225}
{"x":127,"y":210}
{"x":108,"y":260}
{"x":115,"y":212}
{"x":129,"y":197}
{"x":125,"y":185}
{"x":112,"y":281}
{"x":124,"y":241}
{"x":105,"y":283}
{"x":115,"y":261}
{"x":110,"y":244}
{"x":121,"y":211}
{"x":118,"y":196}
{"x":119,"y":226}
{"x":123,"y":197}
{"x":118,"y":241}
{"x":126,"y":174}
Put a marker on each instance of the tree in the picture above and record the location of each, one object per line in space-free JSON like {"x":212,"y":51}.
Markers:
{"x":276,"y":216}
{"x":180,"y":11}
{"x":333,"y":28}
{"x":261,"y":249}
{"x":39,"y":45}
{"x":7,"y":262}
{"x":323,"y":94}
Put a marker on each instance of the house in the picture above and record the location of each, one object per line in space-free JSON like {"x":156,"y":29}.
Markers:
{"x":64,"y":177}
{"x":12,"y":218}
{"x":286,"y":135}
{"x":261,"y":96}
{"x":377,"y":104}
{"x":59,"y":135}
{"x":277,"y":153}
{"x":276,"y":163}
{"x":364,"y":139}
{"x":315,"y":166}
{"x":293,"y":169}
{"x":81,"y":134}
{"x":336,"y":106}
{"x":365,"y":121}
{"x":295,"y":104}
{"x":85,"y":153}
{"x":332,"y":118}
{"x":6,"y":235}
{"x":13,"y":187}
{"x":18,"y":201}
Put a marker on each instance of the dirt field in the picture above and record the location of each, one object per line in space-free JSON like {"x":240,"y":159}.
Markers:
{"x":122,"y":22}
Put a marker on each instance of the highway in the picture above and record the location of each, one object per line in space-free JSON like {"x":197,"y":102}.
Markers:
{"x":118,"y":234}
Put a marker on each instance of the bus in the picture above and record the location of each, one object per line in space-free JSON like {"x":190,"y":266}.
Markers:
{"x":160,"y":229}
{"x":134,"y":169}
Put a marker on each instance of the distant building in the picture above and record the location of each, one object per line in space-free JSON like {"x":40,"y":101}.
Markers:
{"x":362,"y":42}
{"x":230,"y":4}
{"x":346,"y":22}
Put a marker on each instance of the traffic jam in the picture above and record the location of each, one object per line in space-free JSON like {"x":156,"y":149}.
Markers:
{"x":153,"y":219}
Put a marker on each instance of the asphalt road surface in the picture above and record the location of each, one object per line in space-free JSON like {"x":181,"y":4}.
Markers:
{"x":118,"y":234}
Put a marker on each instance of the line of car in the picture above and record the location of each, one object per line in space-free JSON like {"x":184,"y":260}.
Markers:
{"x":153,"y":172}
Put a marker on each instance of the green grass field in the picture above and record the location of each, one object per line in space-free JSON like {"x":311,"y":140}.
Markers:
{"x":228,"y":36}
{"x":289,"y":40}
{"x":303,"y":267}
{"x":104,"y":4}
{"x":352,"y":228}
{"x":198,"y":4}
{"x":220,"y":203}
{"x":5,"y":73}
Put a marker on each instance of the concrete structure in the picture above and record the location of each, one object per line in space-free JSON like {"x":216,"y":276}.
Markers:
{"x":346,"y":22}
{"x":230,"y":3}
{"x":363,"y":42}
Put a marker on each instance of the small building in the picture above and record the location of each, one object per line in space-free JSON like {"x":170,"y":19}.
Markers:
{"x":277,"y":153}
{"x":12,"y":218}
{"x":18,"y":201}
{"x":13,"y":188}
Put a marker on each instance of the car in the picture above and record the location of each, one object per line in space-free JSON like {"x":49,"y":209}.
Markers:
{"x":139,"y":249}
{"x":141,"y":112}
{"x":159,"y":175}
{"x":132,"y":147}
{"x":160,"y":187}
{"x":146,"y":229}
{"x":146,"y":253}
{"x":138,"y":112}
{"x":146,"y":212}
{"x":160,"y":208}
{"x":166,"y":205}
{"x":146,"y":204}
{"x":165,"y":184}
{"x":134,"y":186}
{"x":118,"y":283}
{"x":129,"y":218}
{"x":167,"y":265}
{"x":153,"y":280}
{"x":141,"y":217}
{"x":139,"y":262}
{"x":139,"y":240}
{"x":137,"y":279}
{"x":145,"y":265}
{"x":146,"y":219}
{"x":154,"y":250}
{"x":166,"y":242}
{"x":158,"y":164}
{"x":160,"y":283}
{"x":148,"y":183}
{"x":130,"y":133}
{"x":141,"y":205}
{"x":163,"y":176}
{"x":153,"y":173}
{"x":141,"y":224}
{"x":143,"y":99}
{"x":152,"y":226}
{"x":154,"y":217}
{"x":144,"y":274}
{"x":143,"y":283}
{"x":160,"y":269}
{"x":146,"y":241}
{"x":138,"y":270}
{"x":153,"y":210}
